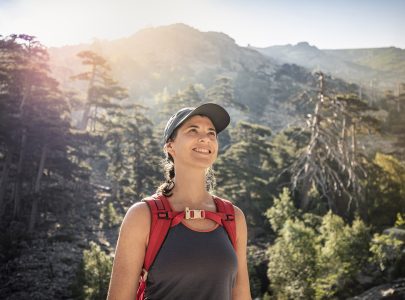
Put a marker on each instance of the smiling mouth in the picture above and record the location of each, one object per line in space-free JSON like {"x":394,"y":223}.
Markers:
{"x":202,"y":150}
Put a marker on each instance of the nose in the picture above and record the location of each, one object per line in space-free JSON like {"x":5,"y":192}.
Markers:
{"x":203,"y":137}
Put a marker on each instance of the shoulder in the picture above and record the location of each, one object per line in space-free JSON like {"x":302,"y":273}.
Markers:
{"x":241,"y":227}
{"x":138,"y":212}
{"x":238,"y":212}
{"x":137,"y":222}
{"x":239,"y":216}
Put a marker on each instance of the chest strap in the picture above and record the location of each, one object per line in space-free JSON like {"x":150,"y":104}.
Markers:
{"x":201,"y":214}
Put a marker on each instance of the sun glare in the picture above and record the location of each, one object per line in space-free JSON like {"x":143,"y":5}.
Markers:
{"x":63,"y":22}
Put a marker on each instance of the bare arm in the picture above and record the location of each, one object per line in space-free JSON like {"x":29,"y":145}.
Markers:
{"x":241,"y":290}
{"x":130,"y":253}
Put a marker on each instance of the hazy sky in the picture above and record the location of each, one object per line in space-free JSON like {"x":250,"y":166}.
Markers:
{"x":329,"y":24}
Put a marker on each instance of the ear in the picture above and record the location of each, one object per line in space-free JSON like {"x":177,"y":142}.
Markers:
{"x":169,"y":148}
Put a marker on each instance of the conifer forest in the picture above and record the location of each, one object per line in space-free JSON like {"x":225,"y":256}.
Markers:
{"x":314,"y":158}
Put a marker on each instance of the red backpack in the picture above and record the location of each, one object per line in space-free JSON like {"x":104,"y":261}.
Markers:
{"x":163,"y":218}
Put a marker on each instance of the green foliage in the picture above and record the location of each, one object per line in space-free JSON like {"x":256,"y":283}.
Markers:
{"x":292,"y":262}
{"x":385,"y":250}
{"x":103,"y":91}
{"x":400,"y":221}
{"x":393,"y":168}
{"x":266,"y":296}
{"x":188,"y":97}
{"x":97,"y":267}
{"x":35,"y":131}
{"x":250,"y":159}
{"x":133,"y":154}
{"x":109,"y":216}
{"x":385,"y":188}
{"x":342,"y":252}
{"x":304,"y":263}
{"x":222,"y":93}
{"x":283,"y":209}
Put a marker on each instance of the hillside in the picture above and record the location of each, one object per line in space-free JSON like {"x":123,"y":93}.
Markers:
{"x":384,"y":67}
{"x":167,"y":59}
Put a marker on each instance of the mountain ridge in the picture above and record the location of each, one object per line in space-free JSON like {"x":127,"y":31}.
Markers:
{"x":382,"y":67}
{"x":167,"y":59}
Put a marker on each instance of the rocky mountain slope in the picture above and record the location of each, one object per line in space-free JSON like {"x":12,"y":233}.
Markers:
{"x":381,"y":68}
{"x":46,"y":265}
{"x":167,"y":59}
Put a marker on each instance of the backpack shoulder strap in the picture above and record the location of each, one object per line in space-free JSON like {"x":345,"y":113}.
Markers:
{"x":227,"y":211}
{"x":161,"y":219}
{"x":162,"y":215}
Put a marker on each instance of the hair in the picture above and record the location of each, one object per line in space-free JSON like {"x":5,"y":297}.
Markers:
{"x":167,"y":163}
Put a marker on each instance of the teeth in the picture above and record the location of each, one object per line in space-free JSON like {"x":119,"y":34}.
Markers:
{"x":201,"y":150}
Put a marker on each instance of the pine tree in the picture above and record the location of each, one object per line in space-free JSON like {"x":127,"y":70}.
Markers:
{"x":292,"y":262}
{"x":245,"y":169}
{"x":35,"y":134}
{"x":189,"y":97}
{"x":103,"y":92}
{"x":222,"y":93}
{"x":132,"y":151}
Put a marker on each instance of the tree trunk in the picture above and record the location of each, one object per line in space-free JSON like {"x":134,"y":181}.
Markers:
{"x":34,"y":208}
{"x":85,"y":117}
{"x":354,"y":144}
{"x":304,"y":203}
{"x":19,"y":179}
{"x":94,"y":119}
{"x":26,"y":95}
{"x":343,"y":139}
{"x":4,"y":180}
{"x":137,"y":167}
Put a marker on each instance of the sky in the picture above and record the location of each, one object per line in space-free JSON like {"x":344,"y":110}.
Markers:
{"x":333,"y":24}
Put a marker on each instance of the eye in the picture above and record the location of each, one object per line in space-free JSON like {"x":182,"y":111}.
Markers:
{"x":212,"y":133}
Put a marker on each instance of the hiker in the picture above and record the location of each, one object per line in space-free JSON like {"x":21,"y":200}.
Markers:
{"x":183,"y":242}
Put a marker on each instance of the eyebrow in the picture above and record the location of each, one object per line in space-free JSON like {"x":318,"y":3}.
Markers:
{"x":195,"y":126}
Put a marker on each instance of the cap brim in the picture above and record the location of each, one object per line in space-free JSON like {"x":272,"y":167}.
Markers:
{"x":217,"y":114}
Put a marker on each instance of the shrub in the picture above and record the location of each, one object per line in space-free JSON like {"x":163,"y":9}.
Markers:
{"x":109,"y":216}
{"x":282,"y":210}
{"x":342,"y":252}
{"x":306,"y":263}
{"x":386,"y":250}
{"x":97,"y":267}
{"x":292,"y":262}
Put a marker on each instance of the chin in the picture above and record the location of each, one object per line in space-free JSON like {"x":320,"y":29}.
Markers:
{"x":202,"y":164}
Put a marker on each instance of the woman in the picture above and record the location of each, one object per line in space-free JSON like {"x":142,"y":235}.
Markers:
{"x":197,"y":260}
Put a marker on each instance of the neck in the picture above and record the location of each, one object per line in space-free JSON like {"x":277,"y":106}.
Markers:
{"x":189,"y":189}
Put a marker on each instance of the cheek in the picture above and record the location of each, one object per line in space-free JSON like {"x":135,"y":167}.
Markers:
{"x":216,"y":147}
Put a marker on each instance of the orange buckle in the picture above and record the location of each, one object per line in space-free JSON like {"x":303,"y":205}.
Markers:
{"x":191,"y":214}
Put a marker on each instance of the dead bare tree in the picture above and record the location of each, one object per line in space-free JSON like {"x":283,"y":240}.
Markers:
{"x":329,"y":163}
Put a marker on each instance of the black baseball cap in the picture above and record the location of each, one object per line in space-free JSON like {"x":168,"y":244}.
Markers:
{"x":217,"y":114}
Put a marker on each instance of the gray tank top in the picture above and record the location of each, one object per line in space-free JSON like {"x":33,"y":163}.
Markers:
{"x":197,"y":265}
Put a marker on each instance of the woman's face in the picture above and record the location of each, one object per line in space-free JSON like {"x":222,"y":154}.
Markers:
{"x":195,"y":144}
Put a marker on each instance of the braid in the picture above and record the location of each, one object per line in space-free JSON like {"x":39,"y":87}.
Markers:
{"x":166,"y":187}
{"x":210,"y":180}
